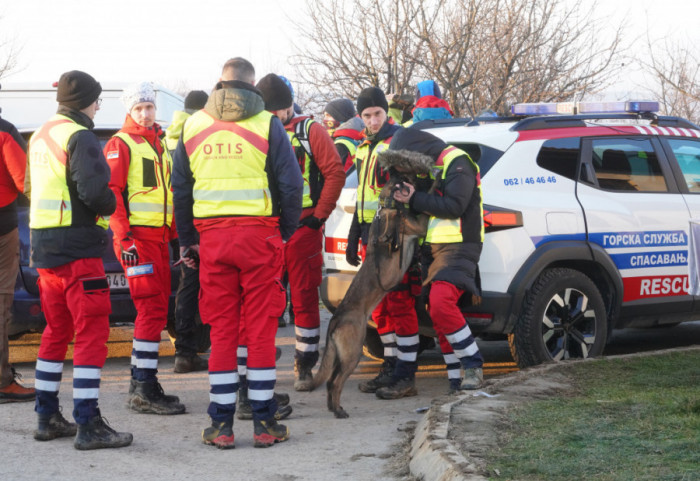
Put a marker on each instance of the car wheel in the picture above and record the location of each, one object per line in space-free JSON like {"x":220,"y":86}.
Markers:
{"x":563,"y":317}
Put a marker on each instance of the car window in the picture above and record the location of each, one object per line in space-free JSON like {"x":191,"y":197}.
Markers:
{"x":627,"y":165}
{"x":687,"y":153}
{"x":560,"y":156}
{"x":485,"y":157}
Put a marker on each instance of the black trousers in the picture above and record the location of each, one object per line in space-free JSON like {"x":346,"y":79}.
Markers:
{"x":186,"y":307}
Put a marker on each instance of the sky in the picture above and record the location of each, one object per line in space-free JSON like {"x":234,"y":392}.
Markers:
{"x":184,"y":43}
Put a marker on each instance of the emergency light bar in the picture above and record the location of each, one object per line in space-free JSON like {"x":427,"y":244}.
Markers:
{"x":626,"y":107}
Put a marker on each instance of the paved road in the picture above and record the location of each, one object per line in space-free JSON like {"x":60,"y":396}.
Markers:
{"x":321,"y":447}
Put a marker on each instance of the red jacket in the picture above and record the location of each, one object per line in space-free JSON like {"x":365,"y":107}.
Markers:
{"x":13,"y":163}
{"x":117,"y":155}
{"x":328,"y":161}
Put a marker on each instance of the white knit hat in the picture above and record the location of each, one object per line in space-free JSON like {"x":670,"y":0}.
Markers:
{"x":137,"y":93}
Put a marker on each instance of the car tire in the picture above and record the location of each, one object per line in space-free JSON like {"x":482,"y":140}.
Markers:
{"x":563,"y":317}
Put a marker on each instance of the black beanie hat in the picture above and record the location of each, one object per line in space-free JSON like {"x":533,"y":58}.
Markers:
{"x":372,"y":97}
{"x":275,"y":92}
{"x":196,"y":100}
{"x":77,"y":90}
{"x":341,"y":110}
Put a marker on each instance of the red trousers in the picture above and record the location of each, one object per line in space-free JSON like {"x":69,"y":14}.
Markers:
{"x":302,"y":254}
{"x":240,"y":278}
{"x":444,"y":311}
{"x":149,"y":284}
{"x":75,"y":301}
{"x":396,"y":311}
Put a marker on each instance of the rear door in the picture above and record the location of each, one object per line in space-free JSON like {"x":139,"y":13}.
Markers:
{"x":636,"y":213}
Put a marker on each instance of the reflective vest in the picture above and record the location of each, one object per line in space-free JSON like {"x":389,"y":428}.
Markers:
{"x":228,"y":160}
{"x":369,"y":183}
{"x":148,"y":183}
{"x":449,"y":231}
{"x":347,"y":143}
{"x":50,"y":197}
{"x":302,"y":150}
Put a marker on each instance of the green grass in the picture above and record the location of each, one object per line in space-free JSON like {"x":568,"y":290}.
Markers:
{"x":629,"y":419}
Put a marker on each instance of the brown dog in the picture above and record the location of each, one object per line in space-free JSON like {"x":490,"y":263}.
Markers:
{"x":393,"y":238}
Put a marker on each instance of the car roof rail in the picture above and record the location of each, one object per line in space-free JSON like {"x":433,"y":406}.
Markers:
{"x":462,"y":121}
{"x":678,"y":122}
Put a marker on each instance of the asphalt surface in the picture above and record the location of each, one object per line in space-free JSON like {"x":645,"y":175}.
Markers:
{"x":374,"y":443}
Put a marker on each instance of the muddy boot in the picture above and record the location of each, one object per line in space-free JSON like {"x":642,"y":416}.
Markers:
{"x":266,"y":433}
{"x":192,"y":363}
{"x":54,"y":426}
{"x":473,"y":378}
{"x":397,"y":389}
{"x":149,"y":398}
{"x":97,"y":434}
{"x":382,"y":379}
{"x":219,"y":434}
{"x":244,"y":411}
{"x":304,"y":376}
{"x":455,"y":386}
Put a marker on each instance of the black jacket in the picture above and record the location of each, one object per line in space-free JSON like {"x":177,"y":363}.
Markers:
{"x":456,"y":196}
{"x":87,"y":176}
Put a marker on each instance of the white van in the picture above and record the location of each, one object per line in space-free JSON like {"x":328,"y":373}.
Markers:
{"x":28,"y":105}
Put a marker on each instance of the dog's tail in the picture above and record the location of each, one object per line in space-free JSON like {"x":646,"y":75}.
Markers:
{"x":327,"y":362}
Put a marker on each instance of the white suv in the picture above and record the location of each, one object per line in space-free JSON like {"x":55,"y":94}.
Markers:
{"x":587,"y":224}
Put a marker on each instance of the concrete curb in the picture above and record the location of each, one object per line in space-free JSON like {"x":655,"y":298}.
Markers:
{"x":435,"y":457}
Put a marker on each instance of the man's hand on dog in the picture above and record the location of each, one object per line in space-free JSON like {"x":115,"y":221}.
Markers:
{"x":403,"y":193}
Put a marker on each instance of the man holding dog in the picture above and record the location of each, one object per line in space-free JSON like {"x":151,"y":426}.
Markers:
{"x":452,"y":246}
{"x":395,"y":316}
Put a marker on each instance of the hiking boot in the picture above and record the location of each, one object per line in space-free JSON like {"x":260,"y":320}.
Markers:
{"x":383,"y":379}
{"x":473,"y":378}
{"x":54,"y":426}
{"x":149,"y":398}
{"x":219,"y":434}
{"x":267,"y":433}
{"x":304,"y":376}
{"x":455,"y":386}
{"x":244,"y":411}
{"x":97,"y":434}
{"x":15,"y":392}
{"x":399,"y":388}
{"x":171,"y":398}
{"x":192,"y":363}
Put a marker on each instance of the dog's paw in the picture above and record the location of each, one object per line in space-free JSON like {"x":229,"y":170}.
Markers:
{"x":340,"y":413}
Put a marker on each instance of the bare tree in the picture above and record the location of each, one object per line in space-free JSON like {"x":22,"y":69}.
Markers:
{"x":485,"y":54}
{"x":675,"y":66}
{"x":9,"y":55}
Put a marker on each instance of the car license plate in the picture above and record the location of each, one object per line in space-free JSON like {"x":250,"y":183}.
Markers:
{"x":116,"y":280}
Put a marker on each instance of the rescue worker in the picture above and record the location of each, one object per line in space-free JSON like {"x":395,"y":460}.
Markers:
{"x":187,"y":296}
{"x":324,"y":179}
{"x":345,"y":126}
{"x":429,"y":104}
{"x":13,"y":166}
{"x":400,"y":107}
{"x":70,"y":204}
{"x":236,"y":180}
{"x":142,"y":227}
{"x":452,"y":247}
{"x":395,"y":316}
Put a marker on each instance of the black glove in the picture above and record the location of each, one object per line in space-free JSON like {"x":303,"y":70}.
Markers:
{"x":312,"y":222}
{"x":130,"y":256}
{"x":353,"y":241}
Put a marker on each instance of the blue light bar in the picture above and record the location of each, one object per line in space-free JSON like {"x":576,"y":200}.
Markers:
{"x":542,"y":108}
{"x":616,"y":107}
{"x":533,"y":109}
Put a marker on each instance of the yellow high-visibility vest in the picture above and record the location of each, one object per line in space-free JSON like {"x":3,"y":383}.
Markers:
{"x":449,"y":231}
{"x":369,"y":186}
{"x":148,"y":183}
{"x":48,"y":154}
{"x":227,"y":160}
